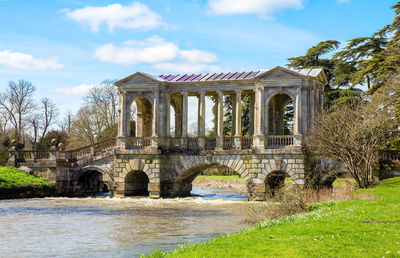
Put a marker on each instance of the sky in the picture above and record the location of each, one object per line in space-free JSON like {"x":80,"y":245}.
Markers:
{"x":65,"y":46}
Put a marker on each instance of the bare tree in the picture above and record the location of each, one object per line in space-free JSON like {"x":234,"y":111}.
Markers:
{"x":97,"y":119}
{"x":353,"y":136}
{"x":41,"y":121}
{"x":17,"y":103}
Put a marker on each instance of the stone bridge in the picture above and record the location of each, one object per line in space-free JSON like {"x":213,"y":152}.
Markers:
{"x":157,"y":156}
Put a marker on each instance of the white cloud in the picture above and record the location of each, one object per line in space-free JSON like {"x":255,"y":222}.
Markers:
{"x":80,"y":90}
{"x":27,"y":62}
{"x":261,"y":7}
{"x":133,"y":16}
{"x":163,"y":55}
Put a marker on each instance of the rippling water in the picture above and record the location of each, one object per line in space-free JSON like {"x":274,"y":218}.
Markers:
{"x":104,"y":227}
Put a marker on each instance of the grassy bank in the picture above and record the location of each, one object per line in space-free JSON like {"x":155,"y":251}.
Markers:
{"x":358,"y":228}
{"x":232,"y":182}
{"x":19,"y":184}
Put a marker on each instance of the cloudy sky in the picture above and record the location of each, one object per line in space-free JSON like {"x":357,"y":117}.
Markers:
{"x":65,"y":46}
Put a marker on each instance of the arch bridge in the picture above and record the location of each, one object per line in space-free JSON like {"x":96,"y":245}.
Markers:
{"x":157,"y":154}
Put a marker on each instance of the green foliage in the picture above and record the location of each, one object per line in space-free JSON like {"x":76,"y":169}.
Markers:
{"x":312,"y":59}
{"x":11,"y":177}
{"x":245,"y":114}
{"x":45,"y":142}
{"x":339,"y":97}
{"x":228,"y":115}
{"x":356,"y":228}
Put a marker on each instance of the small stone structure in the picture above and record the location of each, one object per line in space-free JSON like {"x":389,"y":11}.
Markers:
{"x":149,"y":159}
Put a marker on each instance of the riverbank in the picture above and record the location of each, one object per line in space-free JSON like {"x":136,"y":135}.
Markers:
{"x":355,"y":228}
{"x":233,"y":182}
{"x":15,"y":183}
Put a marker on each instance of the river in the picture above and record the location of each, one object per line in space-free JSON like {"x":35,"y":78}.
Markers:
{"x":111,"y":227}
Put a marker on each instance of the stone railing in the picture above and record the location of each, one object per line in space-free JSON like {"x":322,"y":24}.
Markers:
{"x":246,"y":142}
{"x":192,"y":143}
{"x":32,"y":155}
{"x":279,"y":140}
{"x":228,"y":143}
{"x":210,"y":143}
{"x":138,"y":142}
{"x":80,"y":152}
{"x":389,"y":155}
{"x":105,"y":145}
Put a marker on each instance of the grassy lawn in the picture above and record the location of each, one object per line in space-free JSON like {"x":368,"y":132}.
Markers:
{"x":359,"y":228}
{"x":11,"y":177}
{"x":233,"y":178}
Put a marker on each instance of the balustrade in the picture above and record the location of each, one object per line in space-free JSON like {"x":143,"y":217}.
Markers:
{"x":246,"y":142}
{"x":210,"y":143}
{"x":228,"y":143}
{"x":138,"y":142}
{"x":279,"y":140}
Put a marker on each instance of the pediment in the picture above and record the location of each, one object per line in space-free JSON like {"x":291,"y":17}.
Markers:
{"x":279,"y":73}
{"x":138,"y":78}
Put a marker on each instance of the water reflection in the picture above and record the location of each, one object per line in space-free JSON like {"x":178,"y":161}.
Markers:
{"x":109,"y":227}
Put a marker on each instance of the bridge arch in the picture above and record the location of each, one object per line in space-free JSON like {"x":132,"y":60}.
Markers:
{"x":91,"y":180}
{"x":189,"y":167}
{"x":136,"y":183}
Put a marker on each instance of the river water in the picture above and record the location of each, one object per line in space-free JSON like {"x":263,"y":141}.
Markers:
{"x":111,"y":227}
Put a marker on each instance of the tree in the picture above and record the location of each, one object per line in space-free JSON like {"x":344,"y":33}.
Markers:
{"x":97,"y":119}
{"x":360,"y":61}
{"x":17,"y":103}
{"x":312,"y":59}
{"x":353,"y":135}
{"x":41,"y":121}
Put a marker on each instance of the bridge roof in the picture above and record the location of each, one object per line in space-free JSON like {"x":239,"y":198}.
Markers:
{"x":228,"y":76}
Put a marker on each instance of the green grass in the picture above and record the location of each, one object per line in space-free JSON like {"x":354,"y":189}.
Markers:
{"x":360,"y":228}
{"x":11,"y":177}
{"x":234,"y":178}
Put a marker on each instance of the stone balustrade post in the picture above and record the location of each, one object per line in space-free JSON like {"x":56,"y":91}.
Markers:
{"x":12,"y":157}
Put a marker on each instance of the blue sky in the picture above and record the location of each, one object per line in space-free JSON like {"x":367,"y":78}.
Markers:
{"x":64,"y":46}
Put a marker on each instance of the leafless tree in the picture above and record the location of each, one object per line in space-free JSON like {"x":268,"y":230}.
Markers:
{"x":17,"y":103}
{"x":97,"y":119}
{"x":42,"y":120}
{"x":353,"y":135}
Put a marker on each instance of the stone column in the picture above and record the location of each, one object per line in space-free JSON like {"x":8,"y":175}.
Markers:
{"x":297,"y":119}
{"x":167,"y":115}
{"x":259,"y":117}
{"x":201,"y":121}
{"x":178,"y":124}
{"x":216,"y":116}
{"x":185,"y":114}
{"x":312,"y":107}
{"x":220,"y":114}
{"x":220,"y":121}
{"x":154,"y":132}
{"x":122,"y":108}
{"x":251,"y":114}
{"x":237,"y":119}
{"x":202,"y":114}
{"x":154,"y":126}
{"x":233,"y":98}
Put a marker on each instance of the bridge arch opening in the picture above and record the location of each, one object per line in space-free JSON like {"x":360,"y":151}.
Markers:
{"x":91,"y":182}
{"x":275,"y":181}
{"x":280,"y":115}
{"x":213,"y":178}
{"x":141,"y":115}
{"x":136,"y":183}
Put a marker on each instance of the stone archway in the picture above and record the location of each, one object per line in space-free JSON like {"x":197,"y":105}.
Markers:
{"x":136,"y":183}
{"x":274,"y":181}
{"x":90,"y":181}
{"x":144,"y":116}
{"x":280,"y":114}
